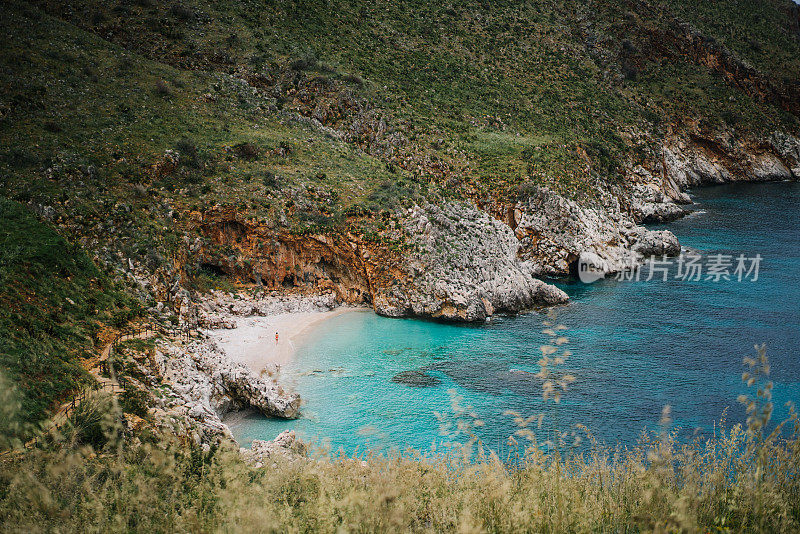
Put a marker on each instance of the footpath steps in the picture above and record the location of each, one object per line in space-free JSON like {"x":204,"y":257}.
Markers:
{"x":105,"y":378}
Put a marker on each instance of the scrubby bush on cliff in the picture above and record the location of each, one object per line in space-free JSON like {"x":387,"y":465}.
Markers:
{"x":247,"y":151}
{"x":162,"y":89}
{"x":93,"y":422}
{"x":189,"y":154}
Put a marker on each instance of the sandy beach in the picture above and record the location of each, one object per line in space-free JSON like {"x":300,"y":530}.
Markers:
{"x":253,"y":343}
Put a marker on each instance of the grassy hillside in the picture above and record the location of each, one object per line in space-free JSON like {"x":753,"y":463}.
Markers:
{"x":498,"y":93}
{"x":53,"y":302}
{"x":763,"y":33}
{"x":121,"y":118}
{"x":479,"y":98}
{"x":84,"y":128}
{"x":316,"y":116}
{"x":89,"y":122}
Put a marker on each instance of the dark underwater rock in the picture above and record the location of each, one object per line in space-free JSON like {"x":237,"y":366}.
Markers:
{"x":417,"y":378}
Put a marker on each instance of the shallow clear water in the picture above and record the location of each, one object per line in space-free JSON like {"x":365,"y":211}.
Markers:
{"x":637,"y":346}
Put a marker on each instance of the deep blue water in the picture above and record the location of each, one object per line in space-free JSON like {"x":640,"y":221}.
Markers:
{"x":637,"y":346}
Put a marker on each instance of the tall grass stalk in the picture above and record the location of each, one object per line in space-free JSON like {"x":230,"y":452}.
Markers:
{"x":744,"y":478}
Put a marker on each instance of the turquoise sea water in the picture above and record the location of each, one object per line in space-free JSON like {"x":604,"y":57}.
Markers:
{"x":373,"y":382}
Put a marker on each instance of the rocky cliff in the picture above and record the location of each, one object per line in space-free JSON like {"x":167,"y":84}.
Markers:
{"x":454,"y":261}
{"x":200,"y":384}
{"x":459,"y":263}
{"x":464,"y":266}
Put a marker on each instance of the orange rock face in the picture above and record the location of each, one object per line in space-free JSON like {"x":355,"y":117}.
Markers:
{"x":341,"y":263}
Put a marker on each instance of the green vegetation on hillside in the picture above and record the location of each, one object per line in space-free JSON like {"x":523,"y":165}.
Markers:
{"x":314,"y":116}
{"x":574,"y":82}
{"x":53,"y":301}
{"x":772,"y":31}
{"x":87,"y":123}
{"x":320,"y":116}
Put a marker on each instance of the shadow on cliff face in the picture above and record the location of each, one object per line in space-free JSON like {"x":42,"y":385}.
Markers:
{"x":319,"y":263}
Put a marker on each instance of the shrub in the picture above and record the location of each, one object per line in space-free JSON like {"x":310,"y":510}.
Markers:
{"x":247,"y":151}
{"x":282,"y":150}
{"x":306,"y":61}
{"x":94,"y":422}
{"x":190,"y":155}
{"x":121,"y":318}
{"x":629,"y":70}
{"x":270,"y":179}
{"x":526,"y":189}
{"x":134,"y":401}
{"x":98,"y":17}
{"x":140,"y":190}
{"x":181,"y":12}
{"x":52,"y":126}
{"x":162,"y":89}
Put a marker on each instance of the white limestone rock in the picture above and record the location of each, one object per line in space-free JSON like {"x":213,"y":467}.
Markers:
{"x":204,"y":385}
{"x":688,"y":168}
{"x":768,"y":166}
{"x":555,"y":231}
{"x":466,"y":268}
{"x":285,"y":446}
{"x":217,"y":309}
{"x":788,"y":147}
{"x":650,"y":205}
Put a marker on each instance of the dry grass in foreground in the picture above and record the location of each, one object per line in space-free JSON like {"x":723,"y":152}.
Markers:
{"x":742,"y":479}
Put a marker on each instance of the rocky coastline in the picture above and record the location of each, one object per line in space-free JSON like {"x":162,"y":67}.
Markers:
{"x":450,"y":260}
{"x":193,"y":382}
{"x":464,"y":264}
{"x":467,"y":260}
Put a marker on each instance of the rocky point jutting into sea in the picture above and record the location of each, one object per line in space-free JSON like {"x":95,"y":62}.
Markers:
{"x":200,"y":383}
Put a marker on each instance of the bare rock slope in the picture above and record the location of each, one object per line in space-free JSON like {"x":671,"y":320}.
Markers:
{"x":465,"y":267}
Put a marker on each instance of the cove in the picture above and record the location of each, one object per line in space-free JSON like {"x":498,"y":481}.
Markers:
{"x":370,"y":382}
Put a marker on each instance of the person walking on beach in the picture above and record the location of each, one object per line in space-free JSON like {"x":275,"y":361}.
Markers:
{"x":276,"y":338}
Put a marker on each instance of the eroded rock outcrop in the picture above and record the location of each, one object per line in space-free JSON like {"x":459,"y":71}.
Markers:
{"x":787,"y":147}
{"x":280,"y":260}
{"x":204,"y":384}
{"x":286,"y":446}
{"x":464,"y":264}
{"x":715,"y":158}
{"x":555,"y":231}
{"x":464,"y":267}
